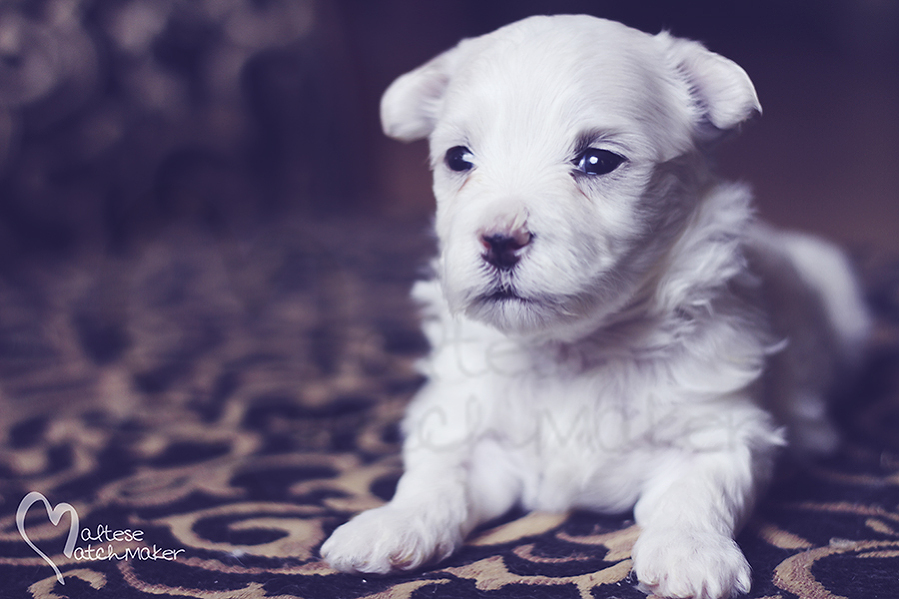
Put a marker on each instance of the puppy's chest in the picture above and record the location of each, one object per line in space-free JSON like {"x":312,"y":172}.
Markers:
{"x":568,"y":440}
{"x":590,"y":414}
{"x":552,"y":405}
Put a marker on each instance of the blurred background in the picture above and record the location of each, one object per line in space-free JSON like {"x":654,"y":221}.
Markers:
{"x":119,"y":118}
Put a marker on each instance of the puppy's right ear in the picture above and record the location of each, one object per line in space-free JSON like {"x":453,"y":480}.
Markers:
{"x":720,"y":89}
{"x":410,"y":105}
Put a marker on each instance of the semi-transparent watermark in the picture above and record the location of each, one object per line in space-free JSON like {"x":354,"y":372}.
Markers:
{"x":109,"y":540}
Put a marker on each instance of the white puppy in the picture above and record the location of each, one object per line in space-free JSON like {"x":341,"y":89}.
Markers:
{"x":610,"y":328}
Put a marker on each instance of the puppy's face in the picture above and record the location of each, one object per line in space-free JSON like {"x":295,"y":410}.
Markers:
{"x":565,"y":158}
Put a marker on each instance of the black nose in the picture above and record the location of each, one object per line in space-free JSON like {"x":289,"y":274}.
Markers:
{"x":503,"y":251}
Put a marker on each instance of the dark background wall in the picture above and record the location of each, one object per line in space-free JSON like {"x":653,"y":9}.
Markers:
{"x":121,"y":117}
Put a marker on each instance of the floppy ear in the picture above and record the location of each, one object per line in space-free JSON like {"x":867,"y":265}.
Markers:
{"x":410,"y":105}
{"x":721,"y":90}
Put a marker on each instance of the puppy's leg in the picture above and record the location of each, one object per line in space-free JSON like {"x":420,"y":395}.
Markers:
{"x":424,"y":522}
{"x":441,"y":497}
{"x":689,"y":512}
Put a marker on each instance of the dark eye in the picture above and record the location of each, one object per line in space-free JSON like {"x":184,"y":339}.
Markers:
{"x":458,"y":159}
{"x":593,"y":161}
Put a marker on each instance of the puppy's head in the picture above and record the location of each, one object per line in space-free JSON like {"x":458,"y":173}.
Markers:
{"x":567,"y":156}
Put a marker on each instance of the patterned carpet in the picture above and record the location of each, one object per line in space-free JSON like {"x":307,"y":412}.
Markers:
{"x":211,"y":408}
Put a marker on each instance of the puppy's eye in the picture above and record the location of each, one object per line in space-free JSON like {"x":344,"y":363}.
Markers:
{"x":459,"y":159}
{"x":593,"y":161}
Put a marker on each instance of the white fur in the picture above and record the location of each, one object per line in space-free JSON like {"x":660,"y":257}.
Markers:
{"x":638,"y":365}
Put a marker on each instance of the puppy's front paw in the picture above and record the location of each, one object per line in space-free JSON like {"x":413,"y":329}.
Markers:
{"x":387,"y":539}
{"x":685,"y":564}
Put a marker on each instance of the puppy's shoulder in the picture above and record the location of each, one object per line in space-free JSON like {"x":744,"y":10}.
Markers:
{"x":709,"y":253}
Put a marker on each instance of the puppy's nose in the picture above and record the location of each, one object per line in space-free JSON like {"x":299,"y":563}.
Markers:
{"x":503,"y":249}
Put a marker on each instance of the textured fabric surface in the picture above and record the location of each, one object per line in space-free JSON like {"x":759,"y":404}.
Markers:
{"x":222,"y":404}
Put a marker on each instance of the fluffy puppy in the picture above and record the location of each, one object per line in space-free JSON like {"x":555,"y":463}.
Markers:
{"x":610,"y":329}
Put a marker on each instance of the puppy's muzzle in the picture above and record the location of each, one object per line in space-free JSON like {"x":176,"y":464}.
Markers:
{"x":503,"y":249}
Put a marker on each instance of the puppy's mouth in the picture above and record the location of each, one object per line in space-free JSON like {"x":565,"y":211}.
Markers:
{"x":508,"y":310}
{"x":501,"y":294}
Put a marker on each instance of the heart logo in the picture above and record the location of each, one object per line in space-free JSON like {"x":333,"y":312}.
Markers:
{"x":54,"y":514}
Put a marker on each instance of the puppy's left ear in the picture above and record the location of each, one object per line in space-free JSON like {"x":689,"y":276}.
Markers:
{"x":720,"y":88}
{"x":410,"y":105}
